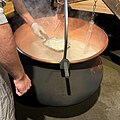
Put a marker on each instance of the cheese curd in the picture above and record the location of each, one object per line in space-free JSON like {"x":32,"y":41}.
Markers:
{"x":56,"y":44}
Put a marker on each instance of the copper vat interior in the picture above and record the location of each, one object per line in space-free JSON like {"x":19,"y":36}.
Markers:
{"x":77,"y":29}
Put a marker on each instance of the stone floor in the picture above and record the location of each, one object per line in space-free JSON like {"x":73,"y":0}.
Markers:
{"x":107,"y":106}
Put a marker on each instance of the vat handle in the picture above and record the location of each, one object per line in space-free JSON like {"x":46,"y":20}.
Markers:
{"x":65,"y":71}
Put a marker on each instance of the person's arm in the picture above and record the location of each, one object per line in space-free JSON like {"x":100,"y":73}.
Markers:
{"x":22,"y":11}
{"x":9,"y":59}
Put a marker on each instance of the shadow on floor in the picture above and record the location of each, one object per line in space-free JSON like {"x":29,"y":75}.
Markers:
{"x":37,"y":113}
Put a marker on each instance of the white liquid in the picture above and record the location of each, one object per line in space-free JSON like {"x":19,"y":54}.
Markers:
{"x":76,"y":51}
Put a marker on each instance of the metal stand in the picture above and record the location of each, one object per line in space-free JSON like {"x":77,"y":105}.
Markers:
{"x":64,"y":65}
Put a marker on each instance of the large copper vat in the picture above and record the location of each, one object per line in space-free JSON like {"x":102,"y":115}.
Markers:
{"x":85,"y":73}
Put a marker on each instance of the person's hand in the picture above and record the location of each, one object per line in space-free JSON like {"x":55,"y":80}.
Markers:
{"x":38,"y":30}
{"x":22,"y":85}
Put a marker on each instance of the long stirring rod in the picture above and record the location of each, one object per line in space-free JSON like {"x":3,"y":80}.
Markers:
{"x":65,"y":62}
{"x":65,"y":27}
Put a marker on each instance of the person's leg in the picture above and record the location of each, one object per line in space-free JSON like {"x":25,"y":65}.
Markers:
{"x":7,"y":111}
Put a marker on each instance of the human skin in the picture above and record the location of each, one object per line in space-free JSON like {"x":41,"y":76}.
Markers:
{"x":9,"y":60}
{"x":22,"y":11}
